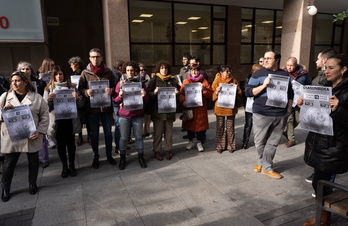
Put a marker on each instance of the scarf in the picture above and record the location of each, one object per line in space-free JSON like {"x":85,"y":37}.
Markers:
{"x":97,"y":70}
{"x":195,"y":79}
{"x":163,"y":77}
{"x":299,"y":71}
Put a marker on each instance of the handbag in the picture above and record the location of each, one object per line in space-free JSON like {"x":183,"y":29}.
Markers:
{"x":239,"y":101}
{"x":187,"y":114}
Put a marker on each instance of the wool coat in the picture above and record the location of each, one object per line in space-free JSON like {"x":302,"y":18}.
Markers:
{"x":220,"y":111}
{"x":200,"y":114}
{"x":39,"y":110}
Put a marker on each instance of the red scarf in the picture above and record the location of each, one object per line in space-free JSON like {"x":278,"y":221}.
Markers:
{"x":98,"y":70}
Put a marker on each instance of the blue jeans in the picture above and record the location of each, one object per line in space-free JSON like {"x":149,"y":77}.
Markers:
{"x":106,"y":119}
{"x":117,"y":128}
{"x":125,"y":126}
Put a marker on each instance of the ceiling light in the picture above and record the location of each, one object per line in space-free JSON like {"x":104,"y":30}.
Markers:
{"x":249,"y":25}
{"x":146,"y":15}
{"x":181,"y":22}
{"x":206,"y":38}
{"x":244,"y":30}
{"x":312,"y":10}
{"x":137,"y":21}
{"x":267,"y":22}
{"x":194,"y":18}
{"x":279,"y":27}
{"x":193,"y":31}
{"x":203,"y":28}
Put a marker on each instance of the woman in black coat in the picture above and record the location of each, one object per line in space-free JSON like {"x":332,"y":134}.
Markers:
{"x":328,"y":155}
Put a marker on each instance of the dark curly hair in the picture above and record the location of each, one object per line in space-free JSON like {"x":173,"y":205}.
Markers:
{"x":162,"y":63}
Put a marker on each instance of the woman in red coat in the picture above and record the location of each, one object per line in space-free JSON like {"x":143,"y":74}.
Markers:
{"x":199,"y":124}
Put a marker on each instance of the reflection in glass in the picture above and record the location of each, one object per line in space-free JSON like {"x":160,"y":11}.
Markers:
{"x":219,"y":55}
{"x":264,"y":26}
{"x":246,"y":31}
{"x":150,"y":54}
{"x":247,"y":14}
{"x":278,"y":26}
{"x":156,"y":28}
{"x":245,"y":54}
{"x":219,"y":12}
{"x":202,"y":51}
{"x":324,"y":28}
{"x":219,"y":31}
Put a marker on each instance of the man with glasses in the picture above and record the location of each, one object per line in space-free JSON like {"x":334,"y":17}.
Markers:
{"x":96,"y":71}
{"x":268,"y":121}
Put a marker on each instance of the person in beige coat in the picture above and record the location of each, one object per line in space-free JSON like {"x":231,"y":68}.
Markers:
{"x":22,"y":92}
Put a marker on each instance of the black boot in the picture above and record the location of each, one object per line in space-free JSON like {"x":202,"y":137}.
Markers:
{"x":65,"y":171}
{"x":245,"y":144}
{"x":5,"y":195}
{"x":123,"y":162}
{"x":72,"y":169}
{"x":33,"y":188}
{"x":142,"y":161}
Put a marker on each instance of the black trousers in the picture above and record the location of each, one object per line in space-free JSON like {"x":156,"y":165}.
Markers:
{"x":65,"y":140}
{"x":11,"y":160}
{"x":318,"y":175}
{"x":248,"y":126}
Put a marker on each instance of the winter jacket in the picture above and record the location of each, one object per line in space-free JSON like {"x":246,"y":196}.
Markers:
{"x":300,"y":75}
{"x":39,"y":111}
{"x":330,"y":153}
{"x":119,"y":100}
{"x":158,"y":82}
{"x":86,"y":76}
{"x":200,"y":114}
{"x":220,"y":111}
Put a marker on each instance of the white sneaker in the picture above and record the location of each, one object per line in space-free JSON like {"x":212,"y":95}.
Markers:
{"x":200,"y":147}
{"x":190,"y":145}
{"x":51,"y":143}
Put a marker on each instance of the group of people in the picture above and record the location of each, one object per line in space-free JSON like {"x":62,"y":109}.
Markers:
{"x":326,"y":154}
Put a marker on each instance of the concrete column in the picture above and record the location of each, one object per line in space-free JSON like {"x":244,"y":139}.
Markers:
{"x":116,"y":31}
{"x":297,"y":32}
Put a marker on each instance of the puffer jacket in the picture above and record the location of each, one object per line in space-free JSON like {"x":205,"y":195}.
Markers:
{"x":153,"y":84}
{"x":330,"y":153}
{"x":220,"y":111}
{"x":200,"y":114}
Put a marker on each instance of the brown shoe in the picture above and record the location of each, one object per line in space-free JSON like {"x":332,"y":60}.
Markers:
{"x":218,"y":151}
{"x":169,"y":155}
{"x":325,"y":219}
{"x":290,"y":143}
{"x":158,"y":156}
{"x":272,"y":174}
{"x":257,"y":168}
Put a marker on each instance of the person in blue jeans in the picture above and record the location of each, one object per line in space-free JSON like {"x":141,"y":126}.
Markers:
{"x":96,"y":71}
{"x":130,"y":118}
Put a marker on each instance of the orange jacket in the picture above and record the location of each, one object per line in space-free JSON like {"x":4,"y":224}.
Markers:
{"x":220,"y":111}
{"x":200,"y":114}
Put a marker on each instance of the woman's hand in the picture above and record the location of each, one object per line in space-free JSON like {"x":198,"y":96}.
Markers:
{"x":75,"y":95}
{"x":156,"y":91}
{"x":51,"y":96}
{"x":334,"y":103}
{"x":120,"y":94}
{"x":90,"y":92}
{"x":8,"y":106}
{"x":143,"y":93}
{"x":300,"y":101}
{"x":176,"y":91}
{"x":218,"y":90}
{"x":34,"y":136}
{"x":108,"y":91}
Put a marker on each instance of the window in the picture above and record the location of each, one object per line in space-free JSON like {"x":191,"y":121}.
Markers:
{"x":261,"y":30}
{"x":167,"y":30}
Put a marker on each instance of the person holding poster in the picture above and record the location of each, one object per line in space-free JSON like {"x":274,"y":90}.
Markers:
{"x":328,"y":155}
{"x":97,"y":71}
{"x":63,"y":130}
{"x":162,"y":122}
{"x":131,"y":118}
{"x":22,"y":92}
{"x":268,"y":121}
{"x":197,"y":126}
{"x":225,"y":138}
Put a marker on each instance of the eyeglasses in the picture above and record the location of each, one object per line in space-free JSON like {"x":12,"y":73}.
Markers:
{"x":95,"y":57}
{"x":268,"y":58}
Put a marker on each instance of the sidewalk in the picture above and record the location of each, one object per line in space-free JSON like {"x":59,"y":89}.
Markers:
{"x":191,"y":189}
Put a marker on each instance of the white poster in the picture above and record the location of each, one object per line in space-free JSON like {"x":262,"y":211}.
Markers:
{"x":315,"y":111}
{"x":100,"y":98}
{"x":166,"y":100}
{"x":46,"y":77}
{"x":19,"y":122}
{"x":64,"y":104}
{"x":277,"y":91}
{"x":227,"y":95}
{"x":132,"y":98}
{"x":193,"y":94}
{"x":249,"y":104}
{"x":297,"y":87}
{"x":75,"y":79}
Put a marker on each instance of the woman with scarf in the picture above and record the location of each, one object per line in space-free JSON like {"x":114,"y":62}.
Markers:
{"x":130,"y":118}
{"x":328,"y":155}
{"x":225,"y":138}
{"x":162,"y":122}
{"x":197,"y":126}
{"x":63,"y":130}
